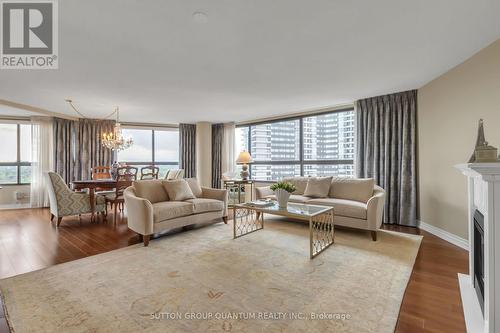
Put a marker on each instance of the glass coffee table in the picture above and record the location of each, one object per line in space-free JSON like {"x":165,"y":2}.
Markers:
{"x":249,"y":217}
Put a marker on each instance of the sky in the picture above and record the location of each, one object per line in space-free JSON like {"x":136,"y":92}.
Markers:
{"x":166,"y":144}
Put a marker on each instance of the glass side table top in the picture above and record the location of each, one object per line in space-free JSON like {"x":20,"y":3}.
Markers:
{"x":293,"y":209}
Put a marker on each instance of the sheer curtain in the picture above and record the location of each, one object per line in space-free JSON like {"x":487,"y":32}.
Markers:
{"x":42,"y":157}
{"x":229,"y":149}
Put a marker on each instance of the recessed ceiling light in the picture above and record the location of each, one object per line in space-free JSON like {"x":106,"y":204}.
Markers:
{"x":200,"y":17}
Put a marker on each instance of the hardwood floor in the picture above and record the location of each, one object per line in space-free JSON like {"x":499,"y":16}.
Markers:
{"x":28,"y":241}
{"x":432,"y":299}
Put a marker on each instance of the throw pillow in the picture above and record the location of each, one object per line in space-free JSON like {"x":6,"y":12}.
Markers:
{"x":195,"y":187}
{"x":151,"y":190}
{"x":299,"y":182}
{"x":357,"y":189}
{"x":178,"y":190}
{"x":318,"y":187}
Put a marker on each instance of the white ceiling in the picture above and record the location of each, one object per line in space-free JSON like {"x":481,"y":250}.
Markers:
{"x":247,"y":59}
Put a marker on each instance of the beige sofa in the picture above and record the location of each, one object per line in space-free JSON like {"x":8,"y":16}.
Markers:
{"x":358,"y":203}
{"x":150,"y":210}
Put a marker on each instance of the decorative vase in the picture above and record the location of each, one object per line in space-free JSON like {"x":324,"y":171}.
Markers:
{"x":282,"y":196}
{"x":113,"y":170}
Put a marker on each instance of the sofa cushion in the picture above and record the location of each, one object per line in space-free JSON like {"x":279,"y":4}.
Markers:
{"x":318,"y":187}
{"x":299,"y":182}
{"x":151,"y":190}
{"x":178,"y":190}
{"x":359,"y":189}
{"x":201,"y":205}
{"x":195,"y":187}
{"x":298,"y":198}
{"x":347,"y":208}
{"x":168,"y":210}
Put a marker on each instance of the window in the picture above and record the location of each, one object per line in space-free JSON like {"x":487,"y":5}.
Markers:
{"x":328,"y":144}
{"x":15,"y":155}
{"x":320,"y":145}
{"x":159,"y":147}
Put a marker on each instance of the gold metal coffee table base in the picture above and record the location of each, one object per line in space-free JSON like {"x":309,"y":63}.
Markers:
{"x":248,"y":219}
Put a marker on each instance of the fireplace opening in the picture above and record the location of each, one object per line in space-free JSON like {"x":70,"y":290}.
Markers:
{"x":479,"y":257}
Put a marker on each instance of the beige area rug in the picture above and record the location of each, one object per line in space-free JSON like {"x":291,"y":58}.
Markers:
{"x":204,"y":281}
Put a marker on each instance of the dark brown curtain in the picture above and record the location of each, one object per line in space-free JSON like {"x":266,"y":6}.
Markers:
{"x":217,"y":139}
{"x":386,"y":148}
{"x":78,"y":147}
{"x":187,"y":149}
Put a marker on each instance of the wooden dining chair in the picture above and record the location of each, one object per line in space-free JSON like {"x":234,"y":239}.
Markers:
{"x":150,"y":172}
{"x":101,"y":172}
{"x":124,"y":178}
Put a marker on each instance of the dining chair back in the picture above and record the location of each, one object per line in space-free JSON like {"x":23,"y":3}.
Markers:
{"x":150,"y":172}
{"x":101,"y":172}
{"x":124,"y":178}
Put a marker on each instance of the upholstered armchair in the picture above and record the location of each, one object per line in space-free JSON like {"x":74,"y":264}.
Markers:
{"x":64,"y":202}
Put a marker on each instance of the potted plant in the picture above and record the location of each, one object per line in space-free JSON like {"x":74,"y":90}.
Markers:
{"x":282,"y":190}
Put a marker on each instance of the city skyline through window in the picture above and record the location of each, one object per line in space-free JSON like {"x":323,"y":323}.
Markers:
{"x":321,"y":145}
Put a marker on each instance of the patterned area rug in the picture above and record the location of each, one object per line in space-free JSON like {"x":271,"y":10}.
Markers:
{"x":204,"y":281}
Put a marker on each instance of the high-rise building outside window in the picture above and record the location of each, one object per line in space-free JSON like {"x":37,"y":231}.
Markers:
{"x":320,"y":145}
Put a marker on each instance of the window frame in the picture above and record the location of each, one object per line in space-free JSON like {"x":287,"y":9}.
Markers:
{"x":18,"y":163}
{"x":301,"y":161}
{"x":152,"y":129}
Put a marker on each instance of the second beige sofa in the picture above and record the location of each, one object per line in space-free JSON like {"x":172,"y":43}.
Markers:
{"x":357,"y":202}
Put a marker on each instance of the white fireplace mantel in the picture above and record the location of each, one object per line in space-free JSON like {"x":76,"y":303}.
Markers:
{"x":483,"y":195}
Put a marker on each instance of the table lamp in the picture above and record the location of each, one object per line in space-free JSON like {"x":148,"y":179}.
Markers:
{"x":244,"y":158}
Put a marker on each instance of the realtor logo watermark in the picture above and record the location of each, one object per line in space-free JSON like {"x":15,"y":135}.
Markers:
{"x":29,"y":33}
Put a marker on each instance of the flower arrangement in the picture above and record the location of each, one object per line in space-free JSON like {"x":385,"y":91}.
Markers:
{"x":282,"y":191}
{"x":289,"y":187}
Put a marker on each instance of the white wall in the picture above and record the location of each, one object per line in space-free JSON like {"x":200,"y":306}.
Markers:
{"x":8,"y":199}
{"x":449,"y":108}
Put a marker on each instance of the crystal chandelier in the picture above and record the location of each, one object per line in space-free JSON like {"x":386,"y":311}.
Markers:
{"x":115,"y":140}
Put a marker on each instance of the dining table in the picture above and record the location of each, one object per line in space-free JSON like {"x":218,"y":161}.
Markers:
{"x":91,"y":185}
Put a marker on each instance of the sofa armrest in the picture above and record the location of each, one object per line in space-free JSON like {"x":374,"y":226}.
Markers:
{"x":375,"y":209}
{"x":139,"y":212}
{"x":216,"y":194}
{"x":262,"y":192}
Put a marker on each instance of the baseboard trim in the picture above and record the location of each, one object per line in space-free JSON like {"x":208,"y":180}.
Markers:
{"x":445,"y":235}
{"x":15,"y":206}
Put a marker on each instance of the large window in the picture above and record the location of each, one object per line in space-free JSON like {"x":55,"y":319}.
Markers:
{"x":159,"y":147}
{"x":321,"y":145}
{"x":15,"y":155}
